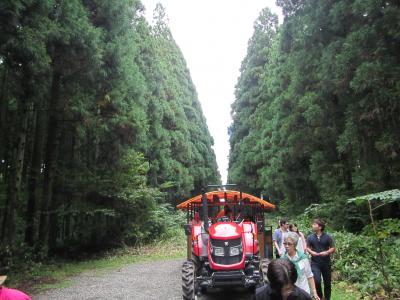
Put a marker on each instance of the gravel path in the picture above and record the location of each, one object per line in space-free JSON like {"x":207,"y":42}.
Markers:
{"x":159,"y":280}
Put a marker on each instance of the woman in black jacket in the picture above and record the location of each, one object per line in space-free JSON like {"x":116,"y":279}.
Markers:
{"x":281,"y":275}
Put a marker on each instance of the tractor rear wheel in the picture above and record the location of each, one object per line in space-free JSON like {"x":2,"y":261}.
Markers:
{"x":188,"y":280}
{"x":264,"y":268}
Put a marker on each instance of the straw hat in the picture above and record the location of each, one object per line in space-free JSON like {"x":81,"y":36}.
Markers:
{"x":2,"y":279}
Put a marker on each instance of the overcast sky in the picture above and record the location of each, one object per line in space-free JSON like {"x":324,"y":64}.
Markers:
{"x":213,"y":37}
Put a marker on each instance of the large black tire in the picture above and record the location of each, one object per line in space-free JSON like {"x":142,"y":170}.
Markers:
{"x":264,"y":268}
{"x":188,"y":281}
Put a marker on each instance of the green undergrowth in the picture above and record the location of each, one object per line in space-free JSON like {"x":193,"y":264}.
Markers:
{"x":359,"y":265}
{"x":56,"y":274}
{"x":344,"y":291}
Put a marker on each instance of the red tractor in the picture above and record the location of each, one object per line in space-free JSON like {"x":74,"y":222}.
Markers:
{"x":227,"y":243}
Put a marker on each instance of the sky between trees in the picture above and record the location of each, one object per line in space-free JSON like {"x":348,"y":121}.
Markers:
{"x":213,"y":37}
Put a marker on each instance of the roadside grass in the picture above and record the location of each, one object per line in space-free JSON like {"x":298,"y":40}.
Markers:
{"x":57,"y":273}
{"x":344,"y":291}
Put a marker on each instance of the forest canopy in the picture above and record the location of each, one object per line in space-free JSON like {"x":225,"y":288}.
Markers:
{"x":317,"y":110}
{"x":100,"y":124}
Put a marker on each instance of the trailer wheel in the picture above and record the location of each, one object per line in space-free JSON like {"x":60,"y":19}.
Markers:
{"x":264,"y":268}
{"x":188,"y":281}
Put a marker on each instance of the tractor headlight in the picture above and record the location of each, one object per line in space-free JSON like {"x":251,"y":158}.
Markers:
{"x":233,"y":251}
{"x":218,"y":251}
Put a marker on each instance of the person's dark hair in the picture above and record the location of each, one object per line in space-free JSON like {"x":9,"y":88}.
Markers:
{"x":281,"y":272}
{"x":320,"y":223}
{"x":282,"y":222}
{"x":291,"y":227}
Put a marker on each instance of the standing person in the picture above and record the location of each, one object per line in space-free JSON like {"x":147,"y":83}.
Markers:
{"x":281,"y":276}
{"x":11,"y":294}
{"x":301,"y":245}
{"x":278,"y":237}
{"x":320,"y":245}
{"x":305,"y":278}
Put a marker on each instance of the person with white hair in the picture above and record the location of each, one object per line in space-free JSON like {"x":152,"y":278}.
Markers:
{"x":305,"y":277}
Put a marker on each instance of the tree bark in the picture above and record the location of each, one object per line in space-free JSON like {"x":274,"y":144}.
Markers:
{"x":3,"y":108}
{"x":33,"y":180}
{"x":347,"y":172}
{"x":3,"y":142}
{"x":14,"y":188}
{"x":50,"y":161}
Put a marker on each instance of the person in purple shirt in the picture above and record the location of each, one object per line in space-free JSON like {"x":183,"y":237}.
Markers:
{"x":279,"y":236}
{"x":11,"y":294}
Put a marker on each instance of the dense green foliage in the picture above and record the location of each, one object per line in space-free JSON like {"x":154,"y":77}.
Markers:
{"x":357,"y":262}
{"x":316,"y":122}
{"x":100,"y":125}
{"x":317,"y":110}
{"x":366,"y":260}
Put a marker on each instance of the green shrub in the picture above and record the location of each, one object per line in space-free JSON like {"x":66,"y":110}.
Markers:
{"x":165,"y":222}
{"x":357,"y":261}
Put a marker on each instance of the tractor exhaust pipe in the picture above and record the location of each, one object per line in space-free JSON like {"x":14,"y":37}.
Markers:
{"x":204,"y":208}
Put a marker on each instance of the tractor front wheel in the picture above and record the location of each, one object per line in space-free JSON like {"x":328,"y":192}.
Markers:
{"x":188,"y":280}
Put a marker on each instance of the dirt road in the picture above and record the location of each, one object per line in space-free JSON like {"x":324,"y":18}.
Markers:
{"x":142,"y":281}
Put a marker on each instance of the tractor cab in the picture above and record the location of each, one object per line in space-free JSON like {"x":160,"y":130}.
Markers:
{"x":226,"y":240}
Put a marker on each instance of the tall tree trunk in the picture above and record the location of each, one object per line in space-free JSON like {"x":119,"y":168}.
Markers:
{"x":3,"y":109}
{"x":34,"y":179}
{"x":3,"y":142}
{"x":59,"y":189}
{"x":53,"y":221}
{"x":14,"y":189}
{"x":50,"y":161}
{"x":347,"y":172}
